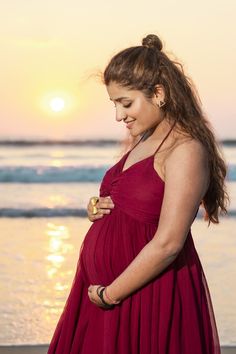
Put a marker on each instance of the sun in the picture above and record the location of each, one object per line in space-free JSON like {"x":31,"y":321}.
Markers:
{"x":57,"y":104}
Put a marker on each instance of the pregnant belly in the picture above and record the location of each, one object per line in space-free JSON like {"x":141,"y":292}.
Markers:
{"x":111,"y":244}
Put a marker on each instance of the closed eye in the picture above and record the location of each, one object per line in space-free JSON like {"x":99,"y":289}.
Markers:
{"x":127,"y":106}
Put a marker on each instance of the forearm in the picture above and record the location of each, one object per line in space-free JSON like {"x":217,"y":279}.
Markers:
{"x":150,"y":262}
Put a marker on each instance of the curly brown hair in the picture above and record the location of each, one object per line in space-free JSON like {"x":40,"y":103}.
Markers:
{"x":141,"y":68}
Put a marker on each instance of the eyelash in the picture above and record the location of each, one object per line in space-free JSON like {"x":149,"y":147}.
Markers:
{"x":127,"y":106}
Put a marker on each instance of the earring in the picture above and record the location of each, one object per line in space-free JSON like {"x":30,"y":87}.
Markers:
{"x":161,"y":103}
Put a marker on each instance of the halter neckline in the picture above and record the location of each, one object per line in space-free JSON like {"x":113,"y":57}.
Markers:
{"x":148,"y":157}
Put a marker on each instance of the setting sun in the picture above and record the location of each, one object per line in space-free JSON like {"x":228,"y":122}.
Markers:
{"x":57,"y":104}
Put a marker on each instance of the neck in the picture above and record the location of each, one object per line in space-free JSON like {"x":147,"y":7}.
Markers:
{"x":158,"y":131}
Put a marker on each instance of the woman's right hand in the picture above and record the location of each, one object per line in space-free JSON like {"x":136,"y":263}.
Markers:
{"x":104,"y":206}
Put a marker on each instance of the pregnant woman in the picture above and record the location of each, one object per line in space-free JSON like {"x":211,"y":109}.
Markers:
{"x":139,"y":286}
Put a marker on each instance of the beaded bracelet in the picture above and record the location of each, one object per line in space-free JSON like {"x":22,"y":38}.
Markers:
{"x":100,"y":294}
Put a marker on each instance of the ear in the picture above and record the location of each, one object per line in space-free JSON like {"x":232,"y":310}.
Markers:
{"x":159,"y":93}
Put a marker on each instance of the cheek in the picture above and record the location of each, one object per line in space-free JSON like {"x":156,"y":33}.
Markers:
{"x":137,"y":110}
{"x":143,"y":112}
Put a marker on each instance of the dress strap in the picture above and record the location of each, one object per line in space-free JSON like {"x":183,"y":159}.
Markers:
{"x":135,"y":145}
{"x":159,"y":146}
{"x":160,"y":143}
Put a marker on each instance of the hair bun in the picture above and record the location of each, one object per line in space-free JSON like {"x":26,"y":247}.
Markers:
{"x":152,"y":41}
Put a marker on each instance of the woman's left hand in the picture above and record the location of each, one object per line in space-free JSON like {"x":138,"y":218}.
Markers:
{"x":93,"y":296}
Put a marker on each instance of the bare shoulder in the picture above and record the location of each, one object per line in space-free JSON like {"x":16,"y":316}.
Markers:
{"x":181,"y":152}
{"x":186,"y":150}
{"x":188,"y":160}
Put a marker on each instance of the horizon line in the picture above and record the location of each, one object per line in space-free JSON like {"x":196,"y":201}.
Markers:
{"x":81,"y":141}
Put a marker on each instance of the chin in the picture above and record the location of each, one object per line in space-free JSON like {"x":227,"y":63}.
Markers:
{"x":134,"y":135}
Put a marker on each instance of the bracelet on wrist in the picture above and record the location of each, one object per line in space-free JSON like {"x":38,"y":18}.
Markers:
{"x":100,"y":294}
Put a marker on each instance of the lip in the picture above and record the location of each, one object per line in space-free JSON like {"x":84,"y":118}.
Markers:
{"x":129,"y":125}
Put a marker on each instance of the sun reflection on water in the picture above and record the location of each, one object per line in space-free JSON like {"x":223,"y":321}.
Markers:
{"x":56,"y":156}
{"x":58,"y":248}
{"x":53,"y":201}
{"x":56,"y":163}
{"x":55,"y":259}
{"x":60,"y":286}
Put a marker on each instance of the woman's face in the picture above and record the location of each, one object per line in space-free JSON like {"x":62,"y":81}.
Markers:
{"x":139,"y":113}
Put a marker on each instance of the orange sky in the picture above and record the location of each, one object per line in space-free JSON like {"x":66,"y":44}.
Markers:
{"x":49,"y":48}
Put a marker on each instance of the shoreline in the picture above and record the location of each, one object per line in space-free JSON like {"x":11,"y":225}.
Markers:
{"x":42,"y":349}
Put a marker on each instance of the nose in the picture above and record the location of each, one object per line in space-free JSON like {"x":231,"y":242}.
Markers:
{"x":120,"y":114}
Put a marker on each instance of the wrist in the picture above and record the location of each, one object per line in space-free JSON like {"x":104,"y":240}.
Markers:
{"x":109,"y":297}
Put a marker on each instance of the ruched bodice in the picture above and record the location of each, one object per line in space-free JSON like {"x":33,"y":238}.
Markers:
{"x":139,"y":194}
{"x":142,"y":203}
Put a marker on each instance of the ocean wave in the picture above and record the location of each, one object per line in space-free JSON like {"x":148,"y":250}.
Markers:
{"x":41,"y":212}
{"x":42,"y":174}
{"x":64,"y":212}
{"x":65,"y":174}
{"x":231,"y":173}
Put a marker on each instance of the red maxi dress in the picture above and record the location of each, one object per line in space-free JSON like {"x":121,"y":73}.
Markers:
{"x":172,"y":314}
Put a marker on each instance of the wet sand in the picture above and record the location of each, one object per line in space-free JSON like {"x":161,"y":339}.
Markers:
{"x":24,"y":349}
{"x":42,"y":349}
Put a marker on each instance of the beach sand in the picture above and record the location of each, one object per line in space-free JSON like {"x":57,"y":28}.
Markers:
{"x":42,"y":349}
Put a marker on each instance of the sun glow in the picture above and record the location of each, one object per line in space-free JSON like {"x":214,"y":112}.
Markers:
{"x":57,"y":104}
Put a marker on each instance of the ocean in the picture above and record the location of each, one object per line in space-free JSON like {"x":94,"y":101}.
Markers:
{"x":45,"y":187}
